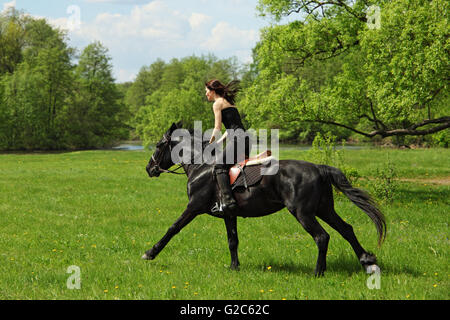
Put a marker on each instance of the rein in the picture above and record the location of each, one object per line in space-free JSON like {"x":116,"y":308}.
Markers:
{"x":158,"y":161}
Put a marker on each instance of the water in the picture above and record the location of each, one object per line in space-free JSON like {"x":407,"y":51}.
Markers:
{"x":128,"y":147}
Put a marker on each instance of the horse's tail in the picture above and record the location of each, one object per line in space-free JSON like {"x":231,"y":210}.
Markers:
{"x":359,"y":197}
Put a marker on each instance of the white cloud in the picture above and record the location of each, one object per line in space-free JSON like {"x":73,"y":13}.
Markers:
{"x":225,"y":36}
{"x":156,"y":22}
{"x":139,"y":34}
{"x":61,"y":23}
{"x":9,"y":5}
{"x":152,"y":21}
{"x":197,"y":20}
{"x":124,"y":75}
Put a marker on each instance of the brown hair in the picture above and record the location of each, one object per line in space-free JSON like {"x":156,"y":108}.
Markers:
{"x":228,"y":92}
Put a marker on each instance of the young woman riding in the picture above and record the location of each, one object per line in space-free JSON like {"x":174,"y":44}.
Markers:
{"x":226,"y":112}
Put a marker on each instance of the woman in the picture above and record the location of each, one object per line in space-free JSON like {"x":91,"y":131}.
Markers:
{"x":226,"y":112}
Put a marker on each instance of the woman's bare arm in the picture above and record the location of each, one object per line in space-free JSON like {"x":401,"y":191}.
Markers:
{"x":217,"y":108}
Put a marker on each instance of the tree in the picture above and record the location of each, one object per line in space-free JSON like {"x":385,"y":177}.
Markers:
{"x":46,"y":102}
{"x":180,"y":94}
{"x":94,"y":115}
{"x":12,"y":40}
{"x":147,"y":81}
{"x":35,"y":85}
{"x":330,"y":67}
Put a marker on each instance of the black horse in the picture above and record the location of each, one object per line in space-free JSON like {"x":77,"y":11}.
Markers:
{"x":304,"y":188}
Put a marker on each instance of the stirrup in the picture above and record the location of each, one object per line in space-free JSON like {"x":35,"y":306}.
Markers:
{"x":217,"y":208}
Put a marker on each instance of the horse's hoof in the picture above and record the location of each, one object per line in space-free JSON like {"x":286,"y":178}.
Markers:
{"x":368,"y":259}
{"x":147,"y":257}
{"x":234,"y":267}
{"x":319,"y":274}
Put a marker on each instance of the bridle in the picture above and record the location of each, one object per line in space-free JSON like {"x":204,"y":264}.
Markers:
{"x":166,"y":142}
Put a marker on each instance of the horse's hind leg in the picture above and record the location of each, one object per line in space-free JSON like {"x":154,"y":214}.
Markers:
{"x":320,"y":236}
{"x":330,"y":216}
{"x":233,"y":241}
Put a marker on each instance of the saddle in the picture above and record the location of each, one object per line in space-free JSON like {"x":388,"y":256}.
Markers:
{"x":247,"y":173}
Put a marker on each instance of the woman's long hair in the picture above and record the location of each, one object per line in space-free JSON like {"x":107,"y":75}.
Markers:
{"x":228,"y":92}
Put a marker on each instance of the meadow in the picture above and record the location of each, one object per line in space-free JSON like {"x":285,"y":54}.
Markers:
{"x":99,"y":211}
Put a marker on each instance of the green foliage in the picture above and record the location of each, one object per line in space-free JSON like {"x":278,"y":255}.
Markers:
{"x":441,"y":139}
{"x":34,"y":92}
{"x":330,"y":68}
{"x":147,"y":80}
{"x":385,"y":185}
{"x":12,"y":40}
{"x":164,"y":93}
{"x":324,"y":150}
{"x":95,"y":112}
{"x":46,"y":102}
{"x":407,"y":60}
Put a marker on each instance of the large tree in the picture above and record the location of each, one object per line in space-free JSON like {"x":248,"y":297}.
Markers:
{"x":335,"y":65}
{"x":36,"y":80}
{"x":96,"y":110}
{"x":48,"y":102}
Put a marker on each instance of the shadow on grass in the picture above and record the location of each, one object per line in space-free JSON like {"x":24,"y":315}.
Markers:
{"x":351,"y":266}
{"x":438,"y":193}
{"x":348,"y":266}
{"x":343,"y":265}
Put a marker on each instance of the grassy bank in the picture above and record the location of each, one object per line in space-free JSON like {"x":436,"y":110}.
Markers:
{"x":98,"y":210}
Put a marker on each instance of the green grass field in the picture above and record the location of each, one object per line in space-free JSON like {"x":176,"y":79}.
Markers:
{"x":98,"y":210}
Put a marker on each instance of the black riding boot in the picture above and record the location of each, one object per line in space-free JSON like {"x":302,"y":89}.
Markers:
{"x":227,"y":204}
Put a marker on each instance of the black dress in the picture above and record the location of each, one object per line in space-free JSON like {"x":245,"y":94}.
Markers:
{"x":238,"y":142}
{"x":231,"y":118}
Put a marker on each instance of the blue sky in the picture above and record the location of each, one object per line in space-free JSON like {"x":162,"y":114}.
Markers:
{"x":137,"y":32}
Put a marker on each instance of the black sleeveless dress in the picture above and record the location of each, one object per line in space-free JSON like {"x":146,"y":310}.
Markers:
{"x":231,"y":118}
{"x":238,"y":143}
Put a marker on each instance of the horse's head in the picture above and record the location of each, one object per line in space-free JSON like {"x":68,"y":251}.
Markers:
{"x":161,"y":158}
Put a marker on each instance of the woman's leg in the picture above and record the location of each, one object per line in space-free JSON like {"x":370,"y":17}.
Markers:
{"x":221,"y":170}
{"x":236,"y":151}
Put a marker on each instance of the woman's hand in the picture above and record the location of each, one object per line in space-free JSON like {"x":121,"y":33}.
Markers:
{"x":223,"y":137}
{"x":213,"y":136}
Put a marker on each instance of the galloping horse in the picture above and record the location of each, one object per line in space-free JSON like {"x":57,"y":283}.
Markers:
{"x":304,"y":188}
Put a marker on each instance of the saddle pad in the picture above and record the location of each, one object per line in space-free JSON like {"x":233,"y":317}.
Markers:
{"x":252,"y":177}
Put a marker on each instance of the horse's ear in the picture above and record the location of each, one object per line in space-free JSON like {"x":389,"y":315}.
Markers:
{"x":173,"y":127}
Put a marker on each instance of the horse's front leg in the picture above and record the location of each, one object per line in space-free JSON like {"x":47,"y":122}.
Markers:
{"x":181,"y":222}
{"x":233,"y":241}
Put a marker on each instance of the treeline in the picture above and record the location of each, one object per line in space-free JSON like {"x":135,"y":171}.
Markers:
{"x":360,"y":70}
{"x":47,"y":101}
{"x":166,"y":92}
{"x":328,"y":72}
{"x":55,"y":98}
